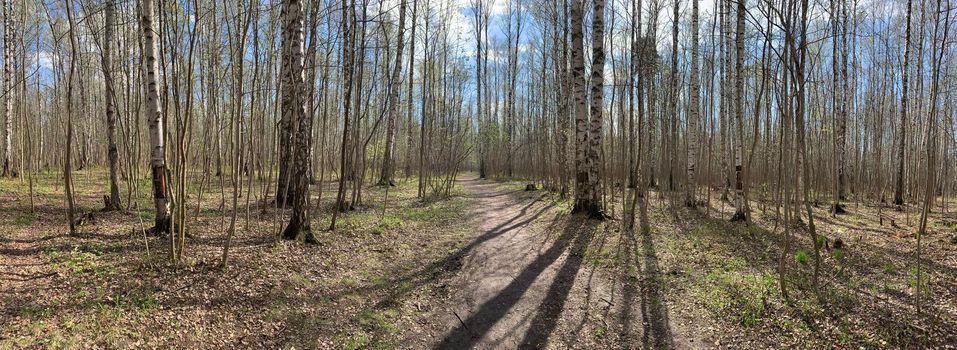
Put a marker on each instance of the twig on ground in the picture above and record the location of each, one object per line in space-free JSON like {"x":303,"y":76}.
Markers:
{"x":463,"y":324}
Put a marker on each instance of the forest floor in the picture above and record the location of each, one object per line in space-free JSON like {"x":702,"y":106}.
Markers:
{"x":492,"y":267}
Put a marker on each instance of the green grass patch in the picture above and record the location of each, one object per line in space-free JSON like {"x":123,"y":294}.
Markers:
{"x":925,"y":279}
{"x":802,"y":257}
{"x":146,"y":302}
{"x":601,"y":257}
{"x":348,"y":281}
{"x":24,"y":219}
{"x":78,"y":262}
{"x":299,"y":280}
{"x":355,"y":342}
{"x":387,"y":224}
{"x":889,"y":269}
{"x":599,"y":332}
{"x":379,"y":321}
{"x":741,"y":296}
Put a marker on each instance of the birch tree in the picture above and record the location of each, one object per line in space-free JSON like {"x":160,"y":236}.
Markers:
{"x":690,"y":199}
{"x":112,"y":202}
{"x":588,"y":144}
{"x":293,"y":109}
{"x":742,"y":212}
{"x":155,"y":119}
{"x":8,"y":52}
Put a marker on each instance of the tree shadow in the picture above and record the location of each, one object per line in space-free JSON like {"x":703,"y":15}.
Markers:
{"x":656,"y":329}
{"x":451,"y":262}
{"x":546,"y":317}
{"x":33,"y":240}
{"x":843,"y":224}
{"x":471,"y":330}
{"x":629,"y":278}
{"x":492,"y":195}
{"x":597,"y":244}
{"x":851,"y":286}
{"x":23,"y":277}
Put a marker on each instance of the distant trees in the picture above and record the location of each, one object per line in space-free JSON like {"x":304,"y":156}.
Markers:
{"x":513,"y":35}
{"x":731,"y":102}
{"x":940,"y":32}
{"x":839,"y":100}
{"x":480,"y":17}
{"x":561,"y":93}
{"x":345,"y":165}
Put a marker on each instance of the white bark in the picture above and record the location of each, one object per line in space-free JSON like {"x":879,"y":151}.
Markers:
{"x":293,"y":109}
{"x":154,"y":116}
{"x":695,"y":107}
{"x":597,"y":89}
{"x":740,"y":202}
{"x":583,"y":193}
{"x":7,"y":88}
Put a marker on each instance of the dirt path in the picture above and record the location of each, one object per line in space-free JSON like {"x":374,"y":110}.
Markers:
{"x":524,"y":283}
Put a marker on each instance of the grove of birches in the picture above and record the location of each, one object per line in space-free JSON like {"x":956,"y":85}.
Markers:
{"x":478,"y":174}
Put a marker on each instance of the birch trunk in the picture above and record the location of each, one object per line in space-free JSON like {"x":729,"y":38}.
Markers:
{"x":154,"y":116}
{"x":724,"y":110}
{"x":742,"y":212}
{"x":8,"y":89}
{"x":594,"y":159}
{"x":582,"y":190}
{"x":113,"y":201}
{"x":293,"y":109}
{"x":690,"y":200}
{"x":586,"y":149}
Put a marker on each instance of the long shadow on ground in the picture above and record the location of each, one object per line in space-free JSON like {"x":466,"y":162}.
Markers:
{"x":546,"y":319}
{"x":478,"y":324}
{"x":450,"y":262}
{"x":654,"y":314}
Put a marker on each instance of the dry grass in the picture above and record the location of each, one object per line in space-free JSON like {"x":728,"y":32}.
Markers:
{"x":101,"y":288}
{"x":375,"y":282}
